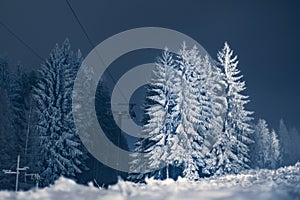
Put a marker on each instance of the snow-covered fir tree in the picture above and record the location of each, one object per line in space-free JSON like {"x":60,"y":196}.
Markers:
{"x":195,"y":110}
{"x":275,"y":156}
{"x":230,"y":154}
{"x":289,"y":146}
{"x":163,"y":93}
{"x":83,"y":117}
{"x":218,"y":103}
{"x":265,"y":151}
{"x":285,"y":140}
{"x":294,"y":147}
{"x":180,"y":116}
{"x":260,"y":148}
{"x":61,"y":150}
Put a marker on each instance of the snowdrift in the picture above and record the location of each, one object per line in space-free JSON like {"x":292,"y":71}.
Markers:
{"x":280,"y":184}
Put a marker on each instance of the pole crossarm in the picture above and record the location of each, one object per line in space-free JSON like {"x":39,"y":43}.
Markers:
{"x":6,"y":171}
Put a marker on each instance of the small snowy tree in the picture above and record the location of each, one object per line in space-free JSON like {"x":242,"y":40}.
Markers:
{"x":275,"y":157}
{"x":294,"y":145}
{"x":265,"y":149}
{"x":260,"y":151}
{"x":284,"y":138}
{"x":289,"y":147}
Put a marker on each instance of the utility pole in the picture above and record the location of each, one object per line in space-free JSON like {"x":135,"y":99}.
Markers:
{"x":27,"y":135}
{"x":17,"y":172}
{"x":121,"y":114}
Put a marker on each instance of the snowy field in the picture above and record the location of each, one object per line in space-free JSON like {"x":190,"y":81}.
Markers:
{"x":281,"y":184}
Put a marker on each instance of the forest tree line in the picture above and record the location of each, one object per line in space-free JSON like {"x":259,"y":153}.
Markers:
{"x":199,"y":107}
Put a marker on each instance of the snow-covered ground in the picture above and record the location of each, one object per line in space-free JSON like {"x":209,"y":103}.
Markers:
{"x":281,"y":184}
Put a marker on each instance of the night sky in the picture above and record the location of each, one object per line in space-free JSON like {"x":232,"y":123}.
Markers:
{"x":264,"y":34}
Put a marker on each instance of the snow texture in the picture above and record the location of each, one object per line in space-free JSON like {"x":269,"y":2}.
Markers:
{"x":283,"y":183}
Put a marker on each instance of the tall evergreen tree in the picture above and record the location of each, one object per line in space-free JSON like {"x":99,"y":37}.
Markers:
{"x":218,"y":108}
{"x":180,"y":115}
{"x":231,"y":150}
{"x":195,"y":110}
{"x":61,"y":150}
{"x":162,"y":115}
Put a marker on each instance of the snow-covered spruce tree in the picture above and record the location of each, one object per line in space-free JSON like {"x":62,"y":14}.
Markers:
{"x":275,"y":156}
{"x":231,"y":151}
{"x":61,"y":152}
{"x":195,"y":108}
{"x":218,"y":106}
{"x":183,"y":109}
{"x":71,"y":62}
{"x":285,"y":140}
{"x":294,"y":145}
{"x":162,"y":115}
{"x":83,"y":117}
{"x":214,"y":85}
{"x":289,"y":147}
{"x":260,"y":149}
{"x":265,"y":149}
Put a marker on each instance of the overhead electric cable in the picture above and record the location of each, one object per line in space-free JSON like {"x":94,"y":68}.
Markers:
{"x":10,"y":31}
{"x":93,"y":45}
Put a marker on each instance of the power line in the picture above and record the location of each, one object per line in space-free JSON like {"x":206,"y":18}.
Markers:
{"x":9,"y":30}
{"x":93,"y":45}
{"x":80,"y":24}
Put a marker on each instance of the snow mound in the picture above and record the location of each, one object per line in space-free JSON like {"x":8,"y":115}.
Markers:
{"x":283,"y":183}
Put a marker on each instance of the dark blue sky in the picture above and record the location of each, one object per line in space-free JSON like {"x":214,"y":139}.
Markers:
{"x":265,"y":35}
